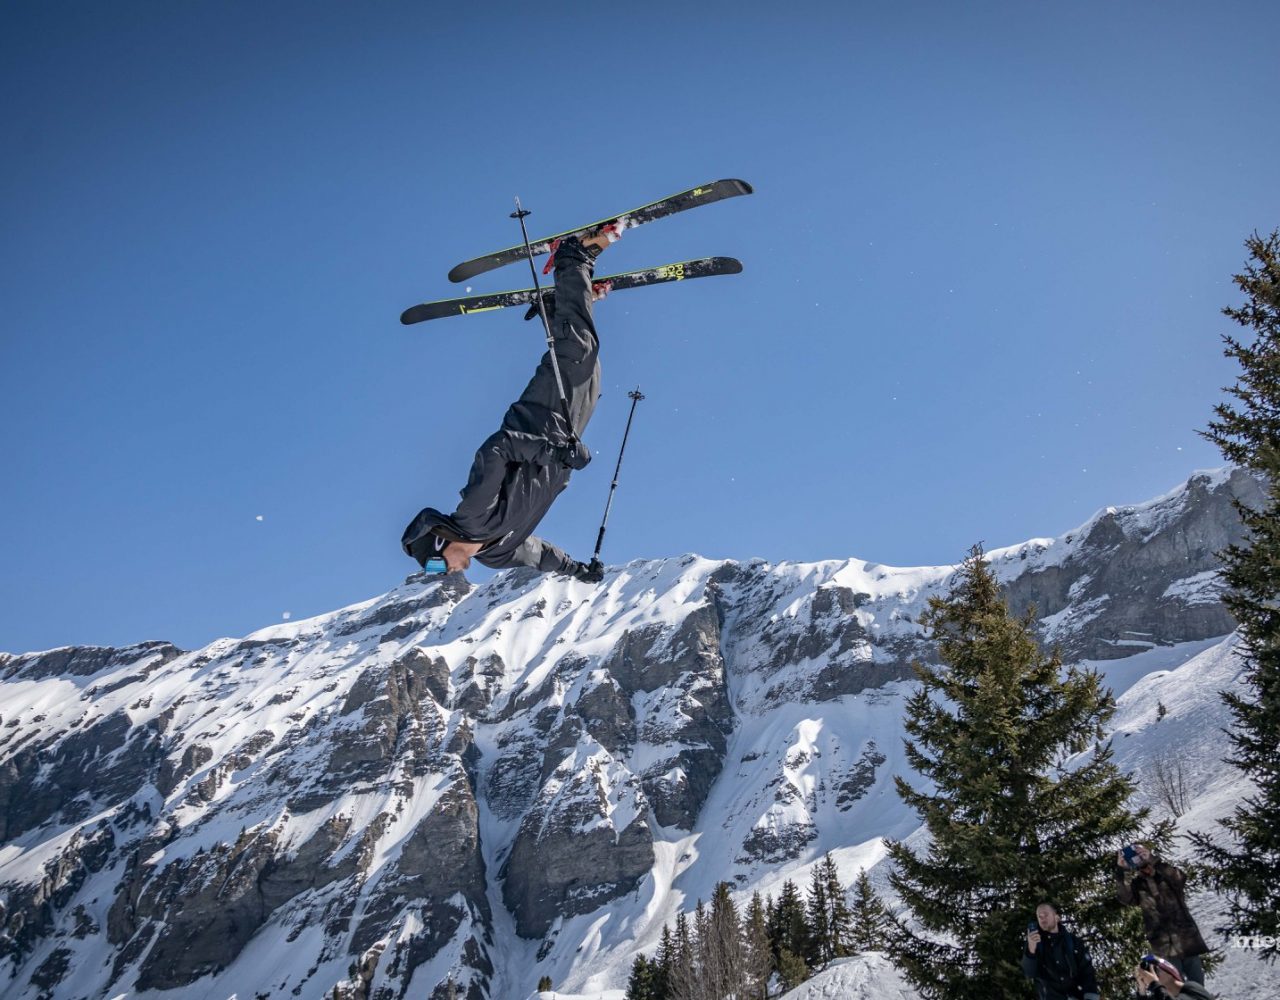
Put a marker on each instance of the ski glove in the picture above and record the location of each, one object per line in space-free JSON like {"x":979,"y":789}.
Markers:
{"x":592,"y":572}
{"x":548,"y":302}
{"x":576,"y":455}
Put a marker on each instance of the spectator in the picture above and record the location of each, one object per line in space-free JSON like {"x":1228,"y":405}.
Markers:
{"x":1158,"y":977}
{"x":1157,"y":888}
{"x":1056,"y":959}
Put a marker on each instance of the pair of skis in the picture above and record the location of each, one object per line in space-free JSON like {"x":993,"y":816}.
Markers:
{"x":701,"y":268}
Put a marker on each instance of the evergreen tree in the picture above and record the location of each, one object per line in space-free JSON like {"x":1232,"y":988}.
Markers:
{"x":838,"y":917}
{"x":757,"y":956}
{"x":682,"y":976}
{"x":722,"y":949}
{"x":639,"y":986}
{"x":791,"y":969}
{"x":788,"y":928}
{"x":871,"y":923}
{"x":1247,"y":431}
{"x":818,"y":953}
{"x":701,"y":947}
{"x":1013,"y":820}
{"x":660,"y":968}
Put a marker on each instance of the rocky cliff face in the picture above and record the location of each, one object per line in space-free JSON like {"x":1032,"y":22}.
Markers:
{"x":485,"y":785}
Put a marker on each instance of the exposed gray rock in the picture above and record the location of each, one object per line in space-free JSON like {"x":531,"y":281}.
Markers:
{"x":289,"y":875}
{"x":677,"y":800}
{"x":607,"y":715}
{"x":832,"y":629}
{"x":206,"y":910}
{"x":172,"y":774}
{"x":773,"y":845}
{"x":52,"y":969}
{"x":555,"y":872}
{"x":514,"y":777}
{"x":442,"y":857}
{"x":683,"y":670}
{"x":854,"y":676}
{"x":29,"y":911}
{"x":392,"y":711}
{"x":431,"y":671}
{"x":1121,"y":572}
{"x":481,"y":680}
{"x":561,"y":746}
{"x":87,"y":661}
{"x":853,"y":783}
{"x":70,"y":774}
{"x":449,"y":590}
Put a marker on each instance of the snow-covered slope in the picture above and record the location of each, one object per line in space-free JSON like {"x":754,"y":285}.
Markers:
{"x":531,"y":777}
{"x":864,"y":977}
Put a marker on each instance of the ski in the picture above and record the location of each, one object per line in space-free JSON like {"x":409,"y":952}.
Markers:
{"x":694,"y":197}
{"x":703,"y":267}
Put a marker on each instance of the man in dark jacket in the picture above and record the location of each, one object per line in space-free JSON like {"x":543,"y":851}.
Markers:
{"x":1159,"y":889}
{"x":1057,"y":960}
{"x":523,"y":466}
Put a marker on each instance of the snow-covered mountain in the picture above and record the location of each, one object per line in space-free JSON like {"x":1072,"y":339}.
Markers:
{"x":530,"y":777}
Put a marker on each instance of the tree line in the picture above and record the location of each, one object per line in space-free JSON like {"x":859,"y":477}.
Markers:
{"x":719,"y":953}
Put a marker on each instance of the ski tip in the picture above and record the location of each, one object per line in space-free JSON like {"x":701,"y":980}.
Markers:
{"x":416,"y":314}
{"x":478,"y":265}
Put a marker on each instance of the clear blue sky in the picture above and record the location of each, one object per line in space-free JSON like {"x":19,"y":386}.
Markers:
{"x":983,"y":271}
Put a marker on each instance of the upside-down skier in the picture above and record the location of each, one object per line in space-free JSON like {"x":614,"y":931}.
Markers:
{"x":523,"y":466}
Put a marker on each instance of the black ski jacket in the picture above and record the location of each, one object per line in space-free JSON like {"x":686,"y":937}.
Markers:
{"x":519,"y":470}
{"x":1061,"y":968}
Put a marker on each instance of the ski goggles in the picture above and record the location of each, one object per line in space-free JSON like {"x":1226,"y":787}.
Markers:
{"x":1154,"y":963}
{"x":435,"y":562}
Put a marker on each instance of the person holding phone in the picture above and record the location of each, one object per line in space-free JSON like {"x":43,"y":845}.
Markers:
{"x":1158,"y":888}
{"x":1057,"y":960}
{"x":1158,"y":977}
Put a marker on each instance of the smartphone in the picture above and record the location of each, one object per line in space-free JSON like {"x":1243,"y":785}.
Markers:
{"x":1131,"y":857}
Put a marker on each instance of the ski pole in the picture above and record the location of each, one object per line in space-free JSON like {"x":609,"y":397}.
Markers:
{"x":520,"y":213}
{"x":635,"y":395}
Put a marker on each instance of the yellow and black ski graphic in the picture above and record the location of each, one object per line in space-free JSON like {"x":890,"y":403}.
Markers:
{"x":703,"y":267}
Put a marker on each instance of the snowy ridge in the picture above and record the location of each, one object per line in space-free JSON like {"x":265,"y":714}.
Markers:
{"x":531,"y":777}
{"x":1136,"y":521}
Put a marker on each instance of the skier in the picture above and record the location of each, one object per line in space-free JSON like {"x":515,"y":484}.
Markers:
{"x":523,"y":466}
